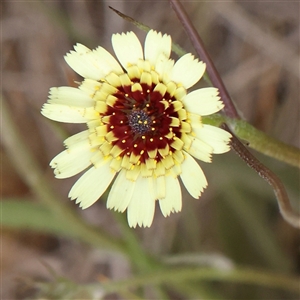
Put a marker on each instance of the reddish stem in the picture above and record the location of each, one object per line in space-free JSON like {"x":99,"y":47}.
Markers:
{"x":282,"y":198}
{"x":212,"y":72}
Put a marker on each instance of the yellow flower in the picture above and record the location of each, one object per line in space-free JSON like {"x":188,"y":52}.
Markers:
{"x":143,"y":126}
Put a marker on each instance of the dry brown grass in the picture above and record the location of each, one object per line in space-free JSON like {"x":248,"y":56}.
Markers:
{"x":255,"y":46}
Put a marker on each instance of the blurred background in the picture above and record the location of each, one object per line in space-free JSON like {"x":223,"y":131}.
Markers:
{"x":236,"y":222}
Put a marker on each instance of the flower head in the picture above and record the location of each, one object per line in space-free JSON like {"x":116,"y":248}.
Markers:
{"x":143,"y":128}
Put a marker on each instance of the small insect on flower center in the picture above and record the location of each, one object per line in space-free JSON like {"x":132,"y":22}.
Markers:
{"x":139,"y":121}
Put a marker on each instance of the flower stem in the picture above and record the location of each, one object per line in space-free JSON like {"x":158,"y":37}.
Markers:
{"x":238,"y":275}
{"x":264,"y":143}
{"x":230,"y":111}
{"x":32,"y":174}
{"x":257,"y":139}
{"x":212,"y":72}
{"x":285,"y":207}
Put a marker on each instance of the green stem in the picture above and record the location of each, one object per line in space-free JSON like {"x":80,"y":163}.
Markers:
{"x":134,"y":246}
{"x":269,"y":146}
{"x":239,"y":275}
{"x":293,"y":218}
{"x":257,"y":139}
{"x":265,"y":144}
{"x":33,"y":175}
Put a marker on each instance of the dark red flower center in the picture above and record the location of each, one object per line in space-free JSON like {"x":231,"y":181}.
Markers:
{"x":143,"y":122}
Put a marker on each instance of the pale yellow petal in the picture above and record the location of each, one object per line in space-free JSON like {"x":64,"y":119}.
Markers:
{"x":106,"y":62}
{"x":140,"y":210}
{"x":216,"y":137}
{"x":90,"y":86}
{"x":203,"y":101}
{"x":200,"y":150}
{"x":68,"y":114}
{"x":164,"y":67}
{"x":70,"y":96}
{"x":159,"y":187}
{"x":128,"y":48}
{"x":77,"y":138}
{"x":173,"y":199}
{"x":192,"y":176}
{"x":187,"y":70}
{"x":120,"y":193}
{"x":67,"y":164}
{"x":155,"y":44}
{"x":91,"y":185}
{"x":92,"y":64}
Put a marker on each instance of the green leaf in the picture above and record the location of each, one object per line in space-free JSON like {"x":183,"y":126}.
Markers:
{"x":23,"y":214}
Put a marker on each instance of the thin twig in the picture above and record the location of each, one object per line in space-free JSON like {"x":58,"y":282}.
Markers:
{"x":175,"y":47}
{"x":131,"y":20}
{"x":212,"y":72}
{"x":282,"y":198}
{"x":184,"y":275}
{"x":285,"y":207}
